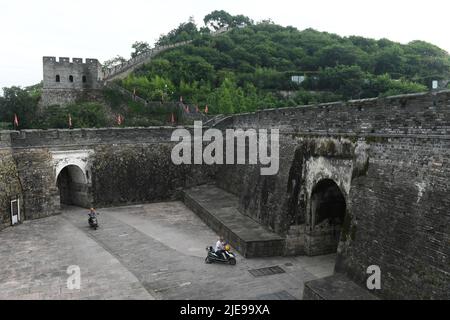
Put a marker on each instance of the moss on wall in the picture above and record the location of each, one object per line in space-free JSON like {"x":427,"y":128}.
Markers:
{"x":9,"y":186}
{"x":125,"y":174}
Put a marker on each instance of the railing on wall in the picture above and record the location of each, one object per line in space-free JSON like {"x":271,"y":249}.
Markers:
{"x":112,"y":73}
{"x":187,"y":110}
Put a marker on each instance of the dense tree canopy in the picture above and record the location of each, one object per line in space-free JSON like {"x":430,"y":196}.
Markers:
{"x":20,"y":102}
{"x":256,"y":61}
{"x":250,"y":67}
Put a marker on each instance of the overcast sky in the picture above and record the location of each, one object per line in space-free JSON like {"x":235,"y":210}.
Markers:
{"x":103,"y":29}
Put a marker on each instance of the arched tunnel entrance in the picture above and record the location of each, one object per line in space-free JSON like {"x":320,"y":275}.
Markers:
{"x":73,"y":187}
{"x":328,"y":210}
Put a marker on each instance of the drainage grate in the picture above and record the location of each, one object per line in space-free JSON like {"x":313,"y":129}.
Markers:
{"x":282,"y":295}
{"x":266,"y":271}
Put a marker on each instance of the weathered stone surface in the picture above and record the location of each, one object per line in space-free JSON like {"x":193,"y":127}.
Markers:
{"x":152,"y":251}
{"x":335,"y":287}
{"x":120,"y":166}
{"x":137,"y":173}
{"x":389,"y":158}
{"x":400,"y":219}
{"x":10,"y":187}
{"x":38,"y":181}
{"x":218,"y":209}
{"x":68,"y":81}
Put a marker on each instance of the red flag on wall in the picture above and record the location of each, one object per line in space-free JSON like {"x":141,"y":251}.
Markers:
{"x":70,"y":121}
{"x":172,"y":120}
{"x":206,"y":109}
{"x":119,"y":120}
{"x":16,"y":120}
{"x":181,"y":98}
{"x":196,"y":109}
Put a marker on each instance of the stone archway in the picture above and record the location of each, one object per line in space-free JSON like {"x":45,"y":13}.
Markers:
{"x":327,"y":213}
{"x":73,"y":187}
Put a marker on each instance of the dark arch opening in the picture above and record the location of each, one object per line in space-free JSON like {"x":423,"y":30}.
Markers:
{"x":58,"y":78}
{"x":71,"y":78}
{"x":73,"y":187}
{"x":328,"y":210}
{"x":84,"y":79}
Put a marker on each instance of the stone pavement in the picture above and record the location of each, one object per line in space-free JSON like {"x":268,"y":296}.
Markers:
{"x":336,"y":287}
{"x":35,"y":256}
{"x":139,"y":252}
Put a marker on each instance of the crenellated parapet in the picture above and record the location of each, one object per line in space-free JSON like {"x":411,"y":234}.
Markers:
{"x":67,"y":80}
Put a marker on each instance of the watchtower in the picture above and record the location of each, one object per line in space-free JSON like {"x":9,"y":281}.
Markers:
{"x":68,"y":81}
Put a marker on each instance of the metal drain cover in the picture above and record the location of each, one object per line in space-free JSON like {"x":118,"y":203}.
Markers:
{"x":266,"y":271}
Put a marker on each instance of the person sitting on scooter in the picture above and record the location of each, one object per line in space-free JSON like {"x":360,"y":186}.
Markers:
{"x":92,"y":212}
{"x":220,"y":248}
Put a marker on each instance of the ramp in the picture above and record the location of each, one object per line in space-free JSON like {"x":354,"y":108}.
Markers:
{"x":219,"y":210}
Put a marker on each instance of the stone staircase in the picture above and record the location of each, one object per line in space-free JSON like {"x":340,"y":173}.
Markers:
{"x":123,"y":70}
{"x":212,"y":122}
{"x":219,"y":210}
{"x":190,"y":114}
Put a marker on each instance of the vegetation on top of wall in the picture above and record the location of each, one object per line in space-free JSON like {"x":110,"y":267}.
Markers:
{"x":250,"y":67}
{"x":81,"y":115}
{"x":22,"y":102}
{"x":247,"y":68}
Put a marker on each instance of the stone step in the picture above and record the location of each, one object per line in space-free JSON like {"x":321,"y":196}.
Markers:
{"x":219,"y":210}
{"x":336,"y":287}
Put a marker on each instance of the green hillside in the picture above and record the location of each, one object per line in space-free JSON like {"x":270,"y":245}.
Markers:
{"x":251,"y":66}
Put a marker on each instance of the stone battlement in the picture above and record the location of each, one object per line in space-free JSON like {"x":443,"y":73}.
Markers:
{"x":62,"y":138}
{"x":420,"y":114}
{"x":65,"y":60}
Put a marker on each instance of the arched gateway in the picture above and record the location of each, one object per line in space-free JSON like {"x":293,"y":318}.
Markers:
{"x":73,"y":187}
{"x":73,"y":178}
{"x":328,"y":210}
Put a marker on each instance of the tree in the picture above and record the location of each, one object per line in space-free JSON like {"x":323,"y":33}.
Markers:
{"x":225,"y":97}
{"x":108,"y":64}
{"x":139,"y":48}
{"x":338,"y":54}
{"x":241,"y":21}
{"x":184,"y":32}
{"x":218,"y":19}
{"x":345,"y":80}
{"x":161,"y":88}
{"x":18,"y":101}
{"x":390,"y":60}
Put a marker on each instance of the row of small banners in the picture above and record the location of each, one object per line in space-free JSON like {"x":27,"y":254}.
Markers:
{"x":119,"y":118}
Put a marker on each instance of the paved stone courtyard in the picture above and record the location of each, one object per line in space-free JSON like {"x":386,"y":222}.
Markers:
{"x":153,"y":251}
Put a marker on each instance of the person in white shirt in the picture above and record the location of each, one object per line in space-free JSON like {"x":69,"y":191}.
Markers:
{"x":220,"y":247}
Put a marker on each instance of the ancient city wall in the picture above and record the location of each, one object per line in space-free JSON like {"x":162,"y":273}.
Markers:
{"x":62,"y":97}
{"x":131,"y":165}
{"x":10,"y":187}
{"x":399,"y":217}
{"x":67,"y":81}
{"x":424,"y":113}
{"x":390,"y":157}
{"x":76,"y":74}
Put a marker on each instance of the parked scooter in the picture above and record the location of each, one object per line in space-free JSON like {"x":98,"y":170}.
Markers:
{"x":226,"y":257}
